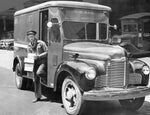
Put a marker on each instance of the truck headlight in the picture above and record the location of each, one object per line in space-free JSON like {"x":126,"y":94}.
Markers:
{"x":90,"y":74}
{"x":145,"y":70}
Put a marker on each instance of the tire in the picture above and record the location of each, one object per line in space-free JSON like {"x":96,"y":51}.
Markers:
{"x":19,"y":80}
{"x":132,"y":104}
{"x":72,"y":97}
{"x":29,"y":84}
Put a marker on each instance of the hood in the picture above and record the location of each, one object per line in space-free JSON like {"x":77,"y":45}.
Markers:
{"x":95,"y":50}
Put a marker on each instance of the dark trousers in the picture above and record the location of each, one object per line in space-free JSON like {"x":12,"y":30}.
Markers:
{"x":40,"y":71}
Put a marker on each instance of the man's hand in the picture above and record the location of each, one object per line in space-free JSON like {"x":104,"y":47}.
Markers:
{"x":36,"y":57}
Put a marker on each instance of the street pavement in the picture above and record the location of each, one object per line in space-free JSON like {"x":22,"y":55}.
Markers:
{"x":19,"y":102}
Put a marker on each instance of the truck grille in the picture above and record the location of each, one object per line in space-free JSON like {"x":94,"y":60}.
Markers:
{"x":115,"y":76}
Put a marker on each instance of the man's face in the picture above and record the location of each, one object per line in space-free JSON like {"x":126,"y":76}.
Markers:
{"x":32,"y":39}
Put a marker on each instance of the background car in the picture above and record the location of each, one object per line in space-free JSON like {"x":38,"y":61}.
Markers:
{"x":7,"y":44}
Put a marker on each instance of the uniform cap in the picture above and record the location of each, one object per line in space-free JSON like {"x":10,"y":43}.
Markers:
{"x":31,"y":32}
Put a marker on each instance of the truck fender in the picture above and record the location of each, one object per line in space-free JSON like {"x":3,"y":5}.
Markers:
{"x":19,"y":60}
{"x":137,"y":65}
{"x":75,"y":69}
{"x":145,"y":60}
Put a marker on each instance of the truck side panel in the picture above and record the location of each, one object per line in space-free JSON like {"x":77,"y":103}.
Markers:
{"x":24,"y":23}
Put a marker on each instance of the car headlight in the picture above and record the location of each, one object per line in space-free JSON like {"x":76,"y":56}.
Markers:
{"x":145,"y":70}
{"x":90,"y":74}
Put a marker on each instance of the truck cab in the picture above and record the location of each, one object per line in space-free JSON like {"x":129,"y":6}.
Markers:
{"x":137,"y":26}
{"x":83,"y":64}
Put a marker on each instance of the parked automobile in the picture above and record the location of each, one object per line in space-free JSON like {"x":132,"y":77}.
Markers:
{"x":7,"y":44}
{"x":1,"y":44}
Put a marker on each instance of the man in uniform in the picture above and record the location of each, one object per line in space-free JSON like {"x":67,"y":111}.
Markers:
{"x":39,"y":48}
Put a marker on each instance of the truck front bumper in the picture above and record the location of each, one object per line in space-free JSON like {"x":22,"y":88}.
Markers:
{"x":116,"y":93}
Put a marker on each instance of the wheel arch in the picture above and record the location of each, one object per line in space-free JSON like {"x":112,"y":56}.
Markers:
{"x":75,"y":70}
{"x":136,"y":67}
{"x":61,"y":75}
{"x":19,"y":60}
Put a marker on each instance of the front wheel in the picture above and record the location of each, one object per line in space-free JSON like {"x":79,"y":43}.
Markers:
{"x":132,"y":104}
{"x":71,"y":97}
{"x":19,"y":80}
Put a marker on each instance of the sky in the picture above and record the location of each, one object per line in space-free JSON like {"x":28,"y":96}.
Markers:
{"x":6,"y":4}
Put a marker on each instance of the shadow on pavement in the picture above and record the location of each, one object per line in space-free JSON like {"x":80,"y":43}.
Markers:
{"x":98,"y":108}
{"x":113,"y":108}
{"x":48,"y":93}
{"x":51,"y":95}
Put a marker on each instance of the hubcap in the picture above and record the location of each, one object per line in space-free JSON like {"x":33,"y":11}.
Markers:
{"x":18,"y":78}
{"x":70,"y":96}
{"x":131,"y":100}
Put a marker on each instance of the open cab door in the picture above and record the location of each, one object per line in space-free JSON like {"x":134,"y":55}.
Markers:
{"x":54,"y":49}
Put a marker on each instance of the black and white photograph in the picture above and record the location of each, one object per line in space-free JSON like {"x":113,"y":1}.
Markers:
{"x":75,"y":57}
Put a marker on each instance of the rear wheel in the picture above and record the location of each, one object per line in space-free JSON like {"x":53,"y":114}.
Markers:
{"x":19,"y":80}
{"x":132,"y":104}
{"x":72,"y":97}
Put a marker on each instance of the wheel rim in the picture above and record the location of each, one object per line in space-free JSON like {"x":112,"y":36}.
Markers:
{"x":131,"y":100}
{"x":18,"y":77}
{"x":71,"y":96}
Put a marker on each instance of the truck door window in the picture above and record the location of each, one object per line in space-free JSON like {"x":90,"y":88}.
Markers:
{"x":55,"y":31}
{"x":147,"y":26}
{"x":43,"y":24}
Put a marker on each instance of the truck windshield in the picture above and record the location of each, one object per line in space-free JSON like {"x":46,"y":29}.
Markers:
{"x":84,"y":24}
{"x":130,"y":28}
{"x":84,"y":30}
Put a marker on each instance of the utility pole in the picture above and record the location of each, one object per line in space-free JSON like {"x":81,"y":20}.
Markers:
{"x":4,"y":23}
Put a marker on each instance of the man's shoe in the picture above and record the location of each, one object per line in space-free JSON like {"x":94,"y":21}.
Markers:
{"x":36,"y":100}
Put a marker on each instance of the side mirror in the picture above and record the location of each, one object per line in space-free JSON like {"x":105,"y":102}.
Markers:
{"x":49,"y":24}
{"x":54,"y":21}
{"x":114,"y":26}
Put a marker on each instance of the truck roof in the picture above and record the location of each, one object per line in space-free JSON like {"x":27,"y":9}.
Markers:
{"x":136,"y":16}
{"x":71,"y":4}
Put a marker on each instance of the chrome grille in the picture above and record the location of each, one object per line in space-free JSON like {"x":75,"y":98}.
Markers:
{"x":115,"y":77}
